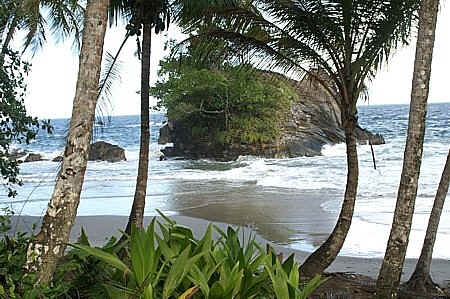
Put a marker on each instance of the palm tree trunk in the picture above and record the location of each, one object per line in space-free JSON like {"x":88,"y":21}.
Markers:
{"x":320,"y":259}
{"x":420,"y":280}
{"x":137,"y":210}
{"x":391,"y":269}
{"x":61,"y":212}
{"x":8,"y":39}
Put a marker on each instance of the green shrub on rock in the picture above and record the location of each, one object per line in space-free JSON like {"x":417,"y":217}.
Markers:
{"x":233,"y":104}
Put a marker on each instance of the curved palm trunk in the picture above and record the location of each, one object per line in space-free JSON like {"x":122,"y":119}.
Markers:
{"x":61,"y":212}
{"x":320,"y":259}
{"x":8,"y":39}
{"x":137,"y":210}
{"x":391,"y":269}
{"x":420,"y":280}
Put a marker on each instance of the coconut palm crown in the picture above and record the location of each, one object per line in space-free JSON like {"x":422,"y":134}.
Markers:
{"x":63,"y":18}
{"x":347,"y":39}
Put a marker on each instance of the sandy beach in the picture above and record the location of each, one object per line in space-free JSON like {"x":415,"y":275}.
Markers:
{"x":100,"y":228}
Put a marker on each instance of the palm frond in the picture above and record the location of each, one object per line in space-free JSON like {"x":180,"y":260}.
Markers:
{"x":349,"y":40}
{"x":66,"y":19}
{"x":119,"y":10}
{"x":110,"y":76}
{"x":34,"y":25}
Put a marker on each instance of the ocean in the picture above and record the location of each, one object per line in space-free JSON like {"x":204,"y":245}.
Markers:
{"x":273,"y":196}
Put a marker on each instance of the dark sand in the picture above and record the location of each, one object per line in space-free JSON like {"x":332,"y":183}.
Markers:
{"x":100,"y":228}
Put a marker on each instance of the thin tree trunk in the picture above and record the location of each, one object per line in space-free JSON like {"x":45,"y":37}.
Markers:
{"x":11,"y":30}
{"x":320,"y":259}
{"x":391,"y":269}
{"x":62,"y":209}
{"x":137,"y":210}
{"x":8,"y":39}
{"x":420,"y":280}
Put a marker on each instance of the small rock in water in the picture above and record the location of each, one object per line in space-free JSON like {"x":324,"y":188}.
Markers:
{"x":104,"y":151}
{"x":17,"y":154}
{"x":33,"y":157}
{"x":57,"y":159}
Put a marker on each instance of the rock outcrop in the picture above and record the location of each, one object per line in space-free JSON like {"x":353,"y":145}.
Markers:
{"x":32,"y":157}
{"x":16,"y":154}
{"x":57,"y":159}
{"x":311,"y":122}
{"x":104,"y":151}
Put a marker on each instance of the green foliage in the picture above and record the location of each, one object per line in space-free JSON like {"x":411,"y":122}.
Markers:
{"x":15,"y":125}
{"x":86,"y":272}
{"x":169,"y":264}
{"x":174,"y":264}
{"x":285,"y":278}
{"x":78,"y":275}
{"x":15,"y":282}
{"x":228,"y":104}
{"x":12,"y":260}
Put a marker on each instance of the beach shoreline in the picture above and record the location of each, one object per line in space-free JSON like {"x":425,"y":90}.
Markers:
{"x":100,"y":228}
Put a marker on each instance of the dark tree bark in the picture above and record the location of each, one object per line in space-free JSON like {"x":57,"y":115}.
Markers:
{"x":391,"y":269}
{"x":320,"y":259}
{"x":8,"y":39}
{"x":137,"y":210}
{"x":62,"y":209}
{"x":420,"y":280}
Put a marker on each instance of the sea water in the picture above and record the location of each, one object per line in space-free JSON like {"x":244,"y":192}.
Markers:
{"x":184,"y":186}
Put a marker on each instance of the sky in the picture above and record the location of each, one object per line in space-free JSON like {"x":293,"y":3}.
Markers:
{"x":51,"y":83}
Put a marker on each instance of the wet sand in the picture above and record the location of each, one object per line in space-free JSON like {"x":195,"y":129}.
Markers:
{"x":100,"y":228}
{"x":280,"y":215}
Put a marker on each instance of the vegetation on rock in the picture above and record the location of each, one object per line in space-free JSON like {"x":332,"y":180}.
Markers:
{"x":224,"y":105}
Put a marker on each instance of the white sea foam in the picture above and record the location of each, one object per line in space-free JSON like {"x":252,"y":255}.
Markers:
{"x":334,"y":150}
{"x":377,"y":190}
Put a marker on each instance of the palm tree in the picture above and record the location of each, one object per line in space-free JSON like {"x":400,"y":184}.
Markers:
{"x":149,"y":15}
{"x":391,"y":269}
{"x":51,"y":241}
{"x":64,"y":18}
{"x":145,"y":15}
{"x":421,"y":280}
{"x":347,"y":40}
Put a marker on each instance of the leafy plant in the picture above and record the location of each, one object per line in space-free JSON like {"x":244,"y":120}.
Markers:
{"x":15,"y":282}
{"x":174,"y":264}
{"x":15,"y":125}
{"x":285,"y":278}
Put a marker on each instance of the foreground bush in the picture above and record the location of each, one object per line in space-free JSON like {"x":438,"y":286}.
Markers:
{"x":177,"y":265}
{"x":168,"y":264}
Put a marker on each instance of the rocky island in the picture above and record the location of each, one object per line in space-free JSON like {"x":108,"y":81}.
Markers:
{"x":310,"y":120}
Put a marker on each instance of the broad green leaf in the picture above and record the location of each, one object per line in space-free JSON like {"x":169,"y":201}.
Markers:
{"x":167,"y":219}
{"x":176,"y":273}
{"x":168,"y":252}
{"x":289,"y":263}
{"x":117,"y":291}
{"x":205,"y":244}
{"x":311,"y":286}
{"x":106,"y":257}
{"x":199,"y":278}
{"x":217,"y":291}
{"x":83,"y":239}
